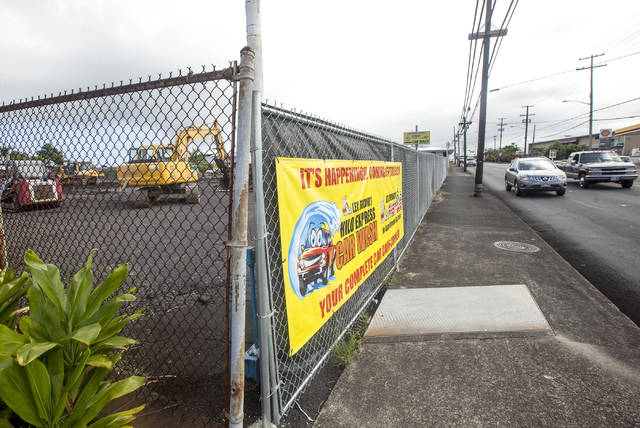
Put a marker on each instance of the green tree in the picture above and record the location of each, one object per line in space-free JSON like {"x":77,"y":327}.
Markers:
{"x":13,"y":154}
{"x":199,"y":160}
{"x":505,"y":155}
{"x":49,"y":154}
{"x":563,"y":150}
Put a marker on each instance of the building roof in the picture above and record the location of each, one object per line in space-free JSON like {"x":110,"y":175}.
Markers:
{"x":568,"y":140}
{"x":627,"y":130}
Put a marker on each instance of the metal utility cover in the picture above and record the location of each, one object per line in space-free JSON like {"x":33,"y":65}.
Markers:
{"x":481,"y":309}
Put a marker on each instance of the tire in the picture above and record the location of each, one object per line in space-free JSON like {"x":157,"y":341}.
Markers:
{"x":626,"y":184}
{"x":143,"y":200}
{"x":582,"y":182}
{"x":517,"y":188}
{"x":302,"y":285}
{"x":507,"y":185}
{"x":560,"y":192}
{"x":192,"y":194}
{"x":325,"y":276}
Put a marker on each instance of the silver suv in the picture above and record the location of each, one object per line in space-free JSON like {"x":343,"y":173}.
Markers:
{"x":534,"y":175}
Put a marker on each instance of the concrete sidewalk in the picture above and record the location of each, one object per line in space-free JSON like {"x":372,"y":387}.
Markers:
{"x":585,"y":371}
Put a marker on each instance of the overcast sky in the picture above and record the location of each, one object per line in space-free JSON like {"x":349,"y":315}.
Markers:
{"x":379,"y":66}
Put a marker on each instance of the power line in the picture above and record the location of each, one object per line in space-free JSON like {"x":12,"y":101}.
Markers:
{"x":472,"y":58}
{"x":565,"y":130}
{"x":469,"y":62}
{"x":533,"y":80}
{"x":496,"y":47}
{"x":620,"y":57}
{"x":586,"y":114}
{"x":617,"y":118}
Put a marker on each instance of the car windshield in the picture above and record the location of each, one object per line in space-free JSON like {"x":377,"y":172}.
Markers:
{"x":150,"y":154}
{"x":600,"y":157}
{"x":85,"y":165}
{"x":537,"y":164}
{"x":316,"y":238}
{"x":31,"y":169}
{"x":164,"y":153}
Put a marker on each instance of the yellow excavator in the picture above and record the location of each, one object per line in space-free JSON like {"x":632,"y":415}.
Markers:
{"x":164,"y":170}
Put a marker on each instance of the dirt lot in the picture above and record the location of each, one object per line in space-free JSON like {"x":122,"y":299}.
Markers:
{"x":177,"y":263}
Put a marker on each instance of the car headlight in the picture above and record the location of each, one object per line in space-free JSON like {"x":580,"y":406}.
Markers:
{"x":525,"y":178}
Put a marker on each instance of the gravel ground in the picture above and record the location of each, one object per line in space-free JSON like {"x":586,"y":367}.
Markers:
{"x":177,"y":263}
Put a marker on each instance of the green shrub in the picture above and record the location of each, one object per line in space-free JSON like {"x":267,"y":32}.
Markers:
{"x":351,"y":344}
{"x":53,"y":369}
{"x":12,"y":289}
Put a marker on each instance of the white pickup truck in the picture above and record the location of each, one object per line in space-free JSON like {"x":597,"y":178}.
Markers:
{"x":596,"y":166}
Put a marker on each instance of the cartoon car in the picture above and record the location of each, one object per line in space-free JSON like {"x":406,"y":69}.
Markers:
{"x":316,"y":259}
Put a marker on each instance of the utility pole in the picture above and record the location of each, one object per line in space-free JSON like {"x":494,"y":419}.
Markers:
{"x":533,"y":140}
{"x":526,"y":126}
{"x":501,"y":128}
{"x":486,"y":36}
{"x":494,"y":142}
{"x":591,"y":67}
{"x":465,"y":126}
{"x":455,"y":140}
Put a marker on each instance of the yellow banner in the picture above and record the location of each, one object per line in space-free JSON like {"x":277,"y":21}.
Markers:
{"x":338,"y":221}
{"x":421,"y":138}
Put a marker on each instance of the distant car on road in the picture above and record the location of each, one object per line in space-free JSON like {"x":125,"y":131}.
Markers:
{"x":471,"y":161}
{"x":534,"y":175}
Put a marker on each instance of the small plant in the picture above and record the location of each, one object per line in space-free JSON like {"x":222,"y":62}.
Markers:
{"x":53,"y":369}
{"x":12,"y":289}
{"x":346,"y":349}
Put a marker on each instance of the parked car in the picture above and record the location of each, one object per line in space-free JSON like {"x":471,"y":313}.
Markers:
{"x":28,"y":182}
{"x":599,"y":166}
{"x":534,"y":175}
{"x":471,"y":161}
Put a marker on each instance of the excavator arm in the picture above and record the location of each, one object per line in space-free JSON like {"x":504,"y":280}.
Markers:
{"x":186,"y":136}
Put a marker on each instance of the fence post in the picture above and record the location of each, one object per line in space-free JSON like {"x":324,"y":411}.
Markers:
{"x":417,"y":218}
{"x":3,"y":244}
{"x":267,"y":363}
{"x":238,"y":243}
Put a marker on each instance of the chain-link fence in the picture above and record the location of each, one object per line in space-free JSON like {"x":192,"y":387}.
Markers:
{"x":293,"y":135}
{"x":140,"y":172}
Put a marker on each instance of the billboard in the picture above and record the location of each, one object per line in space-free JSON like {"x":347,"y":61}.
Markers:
{"x":422,"y":138}
{"x":338,"y":220}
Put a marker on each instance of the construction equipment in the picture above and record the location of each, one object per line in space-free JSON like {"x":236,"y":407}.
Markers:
{"x":79,"y":172}
{"x":164,"y":170}
{"x":27,"y":183}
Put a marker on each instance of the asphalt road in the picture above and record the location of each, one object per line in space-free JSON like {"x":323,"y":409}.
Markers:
{"x":596,"y":229}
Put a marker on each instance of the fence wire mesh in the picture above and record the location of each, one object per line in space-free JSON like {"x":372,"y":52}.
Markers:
{"x":140,"y":173}
{"x":289,"y":134}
